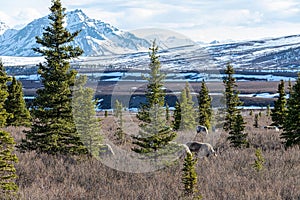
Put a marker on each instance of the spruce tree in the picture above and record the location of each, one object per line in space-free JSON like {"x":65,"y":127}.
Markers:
{"x":231,"y":98}
{"x":155,"y":133}
{"x":8,"y":187}
{"x":119,"y":115}
{"x":237,"y":136}
{"x":167,"y":113}
{"x":234,"y":122}
{"x":256,"y":118}
{"x":53,"y":129}
{"x":7,"y":158}
{"x":15,"y":105}
{"x":278,"y":114}
{"x":188,"y":114}
{"x":259,"y":162}
{"x":204,"y":108}
{"x":291,"y":126}
{"x":155,"y":94}
{"x":176,"y":117}
{"x":86,"y":121}
{"x":189,"y":177}
{"x":3,"y":94}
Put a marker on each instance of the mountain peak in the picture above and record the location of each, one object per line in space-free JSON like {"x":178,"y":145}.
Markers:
{"x":96,"y":37}
{"x":76,"y":16}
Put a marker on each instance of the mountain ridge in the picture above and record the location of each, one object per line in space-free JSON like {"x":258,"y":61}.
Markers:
{"x":96,"y":37}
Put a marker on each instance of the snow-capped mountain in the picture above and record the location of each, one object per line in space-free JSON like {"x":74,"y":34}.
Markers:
{"x":165,"y":39}
{"x":271,"y":53}
{"x":281,"y":53}
{"x":95,"y":38}
{"x":3,"y":27}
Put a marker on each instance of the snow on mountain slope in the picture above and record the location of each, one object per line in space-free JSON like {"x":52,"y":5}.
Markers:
{"x":164,"y":38}
{"x":95,"y":38}
{"x":282,"y":53}
{"x":267,"y":53}
{"x":3,"y":27}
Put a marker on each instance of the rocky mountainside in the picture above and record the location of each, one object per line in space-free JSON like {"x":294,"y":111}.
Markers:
{"x":3,"y":27}
{"x":96,"y":37}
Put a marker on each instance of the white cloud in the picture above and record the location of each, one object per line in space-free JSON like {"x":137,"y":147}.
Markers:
{"x":202,"y":20}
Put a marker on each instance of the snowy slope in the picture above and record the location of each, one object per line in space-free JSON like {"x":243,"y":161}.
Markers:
{"x":269,"y":53}
{"x":281,"y":53}
{"x":164,"y":38}
{"x":3,"y":27}
{"x":95,"y":38}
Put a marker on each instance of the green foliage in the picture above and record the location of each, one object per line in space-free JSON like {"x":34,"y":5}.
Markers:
{"x":291,"y":126}
{"x":234,"y":122}
{"x":155,"y":135}
{"x":53,"y":129}
{"x":119,"y":114}
{"x":256,"y":118}
{"x":251,"y":112}
{"x":189,"y":176}
{"x":259,"y":162}
{"x":87,"y":124}
{"x":231,"y":98}
{"x":237,"y":137}
{"x":155,"y":94}
{"x":3,"y":94}
{"x":167,"y":113}
{"x":188,"y":114}
{"x":8,"y":187}
{"x":279,"y":112}
{"x":15,"y":105}
{"x":204,"y":109}
{"x":155,"y":132}
{"x":177,"y":116}
{"x":268,"y":111}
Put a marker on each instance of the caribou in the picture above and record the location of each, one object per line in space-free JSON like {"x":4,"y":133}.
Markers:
{"x":105,"y":150}
{"x":201,"y":128}
{"x":201,"y":149}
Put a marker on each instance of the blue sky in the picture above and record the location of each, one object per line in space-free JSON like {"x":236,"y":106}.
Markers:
{"x":201,"y":20}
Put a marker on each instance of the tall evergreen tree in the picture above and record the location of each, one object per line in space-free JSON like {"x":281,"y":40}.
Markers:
{"x":155,"y":94}
{"x":291,"y":126}
{"x":176,"y":116}
{"x":15,"y":105}
{"x":53,"y":129}
{"x":189,"y":177}
{"x":188,"y":114}
{"x":7,"y":158}
{"x":290,"y":87}
{"x":278,"y":114}
{"x":119,"y":115}
{"x":234,"y":122}
{"x":167,"y":113}
{"x":231,"y":98}
{"x":237,"y":136}
{"x":204,"y":108}
{"x":8,"y":187}
{"x":86,"y":121}
{"x":3,"y":94}
{"x":256,"y":118}
{"x":155,"y":132}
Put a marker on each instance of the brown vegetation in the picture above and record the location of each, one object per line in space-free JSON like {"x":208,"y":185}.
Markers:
{"x":228,"y":176}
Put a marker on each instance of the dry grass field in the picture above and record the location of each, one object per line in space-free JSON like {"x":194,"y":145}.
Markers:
{"x":230,"y":175}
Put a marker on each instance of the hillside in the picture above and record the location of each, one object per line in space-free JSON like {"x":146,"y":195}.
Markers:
{"x":96,"y":37}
